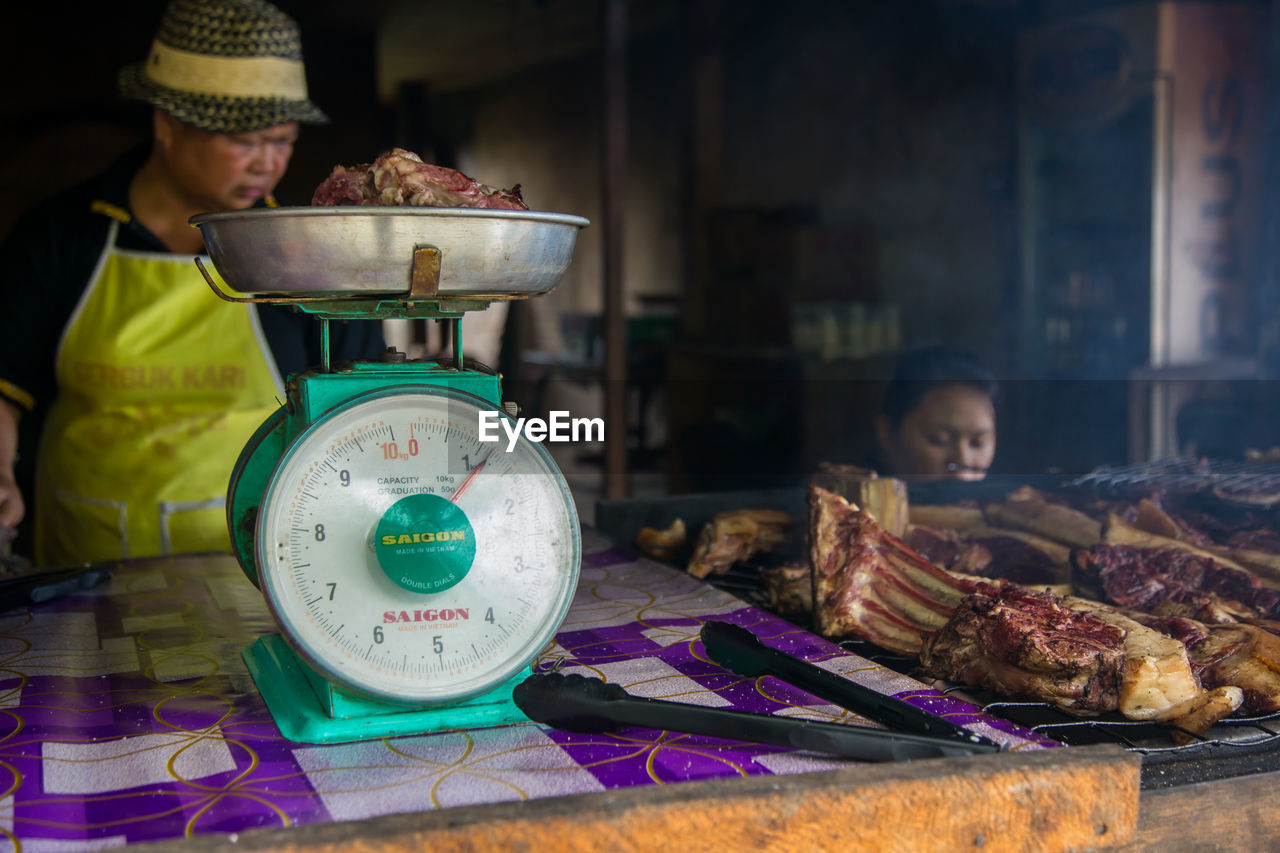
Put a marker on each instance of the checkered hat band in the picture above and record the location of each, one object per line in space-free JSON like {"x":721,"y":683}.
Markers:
{"x":237,"y":77}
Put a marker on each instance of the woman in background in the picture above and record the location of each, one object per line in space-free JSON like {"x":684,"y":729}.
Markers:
{"x":937,"y":419}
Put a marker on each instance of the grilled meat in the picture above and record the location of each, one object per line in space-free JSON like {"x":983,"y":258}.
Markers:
{"x":870,"y":584}
{"x":1017,"y":643}
{"x":730,"y":537}
{"x":662,"y":544}
{"x":1151,"y":517}
{"x":1081,"y":655}
{"x":1242,"y":656}
{"x":1157,"y":680}
{"x":992,"y":552}
{"x":400,"y":178}
{"x":947,"y":550}
{"x":1143,"y":579}
{"x":946,"y":516}
{"x":790,"y":588}
{"x":1021,"y":557}
{"x":1030,"y":511}
{"x":1117,"y":531}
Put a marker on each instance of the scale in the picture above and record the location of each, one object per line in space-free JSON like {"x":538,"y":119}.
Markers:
{"x":414,"y":570}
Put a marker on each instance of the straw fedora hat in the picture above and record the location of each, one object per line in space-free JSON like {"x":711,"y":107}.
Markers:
{"x":227,"y":66}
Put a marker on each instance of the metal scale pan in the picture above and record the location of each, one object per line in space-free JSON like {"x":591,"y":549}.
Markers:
{"x":369,"y":252}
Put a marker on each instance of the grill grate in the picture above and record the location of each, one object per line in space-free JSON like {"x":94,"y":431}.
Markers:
{"x":1239,"y":482}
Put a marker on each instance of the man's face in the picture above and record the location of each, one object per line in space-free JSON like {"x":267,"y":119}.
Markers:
{"x":225,"y":171}
{"x":950,"y":434}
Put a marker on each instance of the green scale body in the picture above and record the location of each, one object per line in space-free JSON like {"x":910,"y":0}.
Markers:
{"x":307,"y":703}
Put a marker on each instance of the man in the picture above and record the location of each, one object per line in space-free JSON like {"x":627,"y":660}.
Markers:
{"x":145,"y":384}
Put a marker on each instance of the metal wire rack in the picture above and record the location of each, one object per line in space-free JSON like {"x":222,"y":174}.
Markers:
{"x":1244,"y":483}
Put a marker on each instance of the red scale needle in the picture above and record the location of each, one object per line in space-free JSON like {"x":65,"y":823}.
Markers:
{"x":468,"y":480}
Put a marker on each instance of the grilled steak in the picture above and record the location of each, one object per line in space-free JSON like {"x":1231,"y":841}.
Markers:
{"x":1145,"y":578}
{"x":1157,"y":681}
{"x":1242,"y":656}
{"x":1017,"y":643}
{"x":991,"y":552}
{"x":1021,"y":557}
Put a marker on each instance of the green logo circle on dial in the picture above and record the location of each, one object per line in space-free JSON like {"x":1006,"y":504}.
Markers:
{"x":424,"y":543}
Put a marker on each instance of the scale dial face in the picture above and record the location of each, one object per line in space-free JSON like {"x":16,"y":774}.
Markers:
{"x":408,"y":561}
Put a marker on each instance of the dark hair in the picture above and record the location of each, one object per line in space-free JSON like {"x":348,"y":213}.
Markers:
{"x":922,"y":368}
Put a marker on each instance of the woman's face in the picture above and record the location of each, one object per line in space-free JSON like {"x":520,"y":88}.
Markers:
{"x":950,"y":434}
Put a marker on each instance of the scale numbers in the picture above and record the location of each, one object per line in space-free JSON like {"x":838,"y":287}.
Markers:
{"x":408,"y":561}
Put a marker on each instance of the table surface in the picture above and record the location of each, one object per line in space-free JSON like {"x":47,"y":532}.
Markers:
{"x":127,"y":715}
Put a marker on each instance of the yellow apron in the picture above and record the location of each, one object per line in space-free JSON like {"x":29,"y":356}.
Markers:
{"x":160,"y":384}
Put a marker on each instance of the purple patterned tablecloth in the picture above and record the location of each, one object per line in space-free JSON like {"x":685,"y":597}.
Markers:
{"x":127,"y":715}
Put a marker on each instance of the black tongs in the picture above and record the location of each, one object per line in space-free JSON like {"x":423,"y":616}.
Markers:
{"x":40,"y":586}
{"x":738,"y":650}
{"x":580,"y":704}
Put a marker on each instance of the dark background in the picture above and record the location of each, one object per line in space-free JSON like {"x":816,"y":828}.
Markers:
{"x":866,"y":151}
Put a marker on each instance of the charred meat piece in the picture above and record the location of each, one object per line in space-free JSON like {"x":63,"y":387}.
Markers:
{"x":1117,"y":531}
{"x":401,"y":178}
{"x":1144,"y":578}
{"x":991,"y":552}
{"x":1016,"y":643}
{"x":870,"y":584}
{"x":1242,"y":656}
{"x":1157,"y":681}
{"x":945,"y":549}
{"x":731,"y":537}
{"x":1030,"y":511}
{"x":1258,"y":550}
{"x":1151,"y":517}
{"x":1246,"y":539}
{"x":662,"y":544}
{"x":1083,"y":655}
{"x":1214,"y":705}
{"x":790,"y":588}
{"x":1255,"y":539}
{"x":1021,"y":557}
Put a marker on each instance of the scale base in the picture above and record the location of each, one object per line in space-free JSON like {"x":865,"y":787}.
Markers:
{"x":309,"y":709}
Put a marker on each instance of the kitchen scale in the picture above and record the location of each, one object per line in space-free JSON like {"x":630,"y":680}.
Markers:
{"x":414,"y":570}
